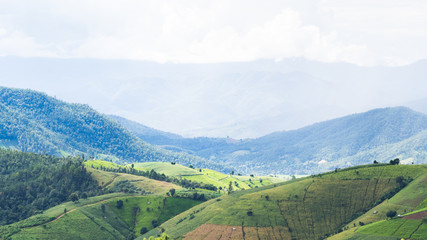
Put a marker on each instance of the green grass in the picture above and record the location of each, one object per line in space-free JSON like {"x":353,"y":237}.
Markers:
{"x":101,"y":163}
{"x":86,"y":220}
{"x":407,"y":200}
{"x":206,"y":176}
{"x":398,"y":228}
{"x":35,"y":222}
{"x":167,"y":168}
{"x":109,"y":179}
{"x":140,"y":212}
{"x":311,"y":207}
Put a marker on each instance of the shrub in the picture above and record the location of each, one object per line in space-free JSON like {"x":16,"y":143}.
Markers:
{"x":119,"y":204}
{"x":391,"y":214}
{"x":143,"y":230}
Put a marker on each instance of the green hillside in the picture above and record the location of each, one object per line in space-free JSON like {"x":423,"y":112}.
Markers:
{"x":412,"y":199}
{"x":31,"y":183}
{"x":144,"y":203}
{"x":308,"y":208}
{"x":379,"y":134}
{"x":108,"y":180}
{"x":208,"y":176}
{"x":99,"y":218}
{"x":34,"y":122}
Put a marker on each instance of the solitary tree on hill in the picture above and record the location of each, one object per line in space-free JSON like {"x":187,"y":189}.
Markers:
{"x":172,"y":191}
{"x":391,"y":214}
{"x":396,"y":161}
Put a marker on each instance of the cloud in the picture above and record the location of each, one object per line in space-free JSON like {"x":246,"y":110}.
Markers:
{"x":18,"y":44}
{"x":217,"y":31}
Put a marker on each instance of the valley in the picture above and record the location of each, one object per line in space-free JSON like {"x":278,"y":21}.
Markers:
{"x":69,"y":172}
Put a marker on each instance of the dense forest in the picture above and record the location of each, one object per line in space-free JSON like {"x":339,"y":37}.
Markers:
{"x":33,"y":121}
{"x":31,"y":183}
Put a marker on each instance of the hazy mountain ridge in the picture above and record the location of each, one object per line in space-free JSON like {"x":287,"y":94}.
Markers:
{"x":33,"y":121}
{"x":247,"y":98}
{"x":379,"y":134}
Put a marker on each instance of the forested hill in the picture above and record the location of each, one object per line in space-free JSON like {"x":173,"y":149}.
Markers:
{"x":31,"y":183}
{"x":33,"y":121}
{"x":379,"y":134}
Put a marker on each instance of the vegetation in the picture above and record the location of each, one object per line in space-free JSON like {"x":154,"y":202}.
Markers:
{"x":152,"y":175}
{"x":31,"y":183}
{"x":308,"y":208}
{"x":378,"y":135}
{"x":211,"y":179}
{"x":34,"y":122}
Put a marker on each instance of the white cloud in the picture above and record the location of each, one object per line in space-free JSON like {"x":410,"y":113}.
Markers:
{"x":18,"y":44}
{"x":361,"y":32}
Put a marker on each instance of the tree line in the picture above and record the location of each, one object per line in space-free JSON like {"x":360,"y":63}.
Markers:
{"x":161,"y":177}
{"x":31,"y":183}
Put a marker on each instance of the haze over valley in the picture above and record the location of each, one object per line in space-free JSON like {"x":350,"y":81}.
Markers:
{"x":208,"y":120}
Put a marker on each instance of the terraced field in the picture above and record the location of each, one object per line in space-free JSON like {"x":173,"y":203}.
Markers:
{"x":89,"y":221}
{"x":412,"y":198}
{"x":110,"y":179}
{"x":207,"y":176}
{"x":309,"y":208}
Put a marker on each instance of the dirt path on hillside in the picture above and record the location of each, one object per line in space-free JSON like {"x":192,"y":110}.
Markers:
{"x":416,"y":216}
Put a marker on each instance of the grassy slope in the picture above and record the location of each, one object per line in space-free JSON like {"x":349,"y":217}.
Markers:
{"x":206,"y":175}
{"x":52,"y":213}
{"x":412,"y":197}
{"x":310,"y":207}
{"x":87,"y":221}
{"x":84,"y":217}
{"x":109,"y":179}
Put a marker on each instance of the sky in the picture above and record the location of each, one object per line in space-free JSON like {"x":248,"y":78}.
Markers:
{"x":248,"y":102}
{"x":363,"y":32}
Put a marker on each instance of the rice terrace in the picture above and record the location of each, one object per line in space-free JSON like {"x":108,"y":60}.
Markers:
{"x":213,"y":120}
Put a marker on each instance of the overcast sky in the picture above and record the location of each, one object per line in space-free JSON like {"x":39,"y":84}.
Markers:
{"x":363,"y":32}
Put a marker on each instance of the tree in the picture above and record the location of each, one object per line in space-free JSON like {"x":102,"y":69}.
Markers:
{"x":119,"y":204}
{"x":391,"y":214}
{"x":74,"y":197}
{"x":154,"y":223}
{"x":396,"y":161}
{"x":84,"y":195}
{"x":375,"y":162}
{"x":143,"y":230}
{"x":172,"y":191}
{"x":230,"y":187}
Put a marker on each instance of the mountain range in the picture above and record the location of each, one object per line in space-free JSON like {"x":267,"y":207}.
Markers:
{"x":240,"y":99}
{"x":380,"y":134}
{"x":34,"y":122}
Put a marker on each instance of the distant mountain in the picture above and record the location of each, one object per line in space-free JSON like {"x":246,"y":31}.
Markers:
{"x":380,"y":134}
{"x":201,"y":146}
{"x":34,"y":122}
{"x":240,"y":99}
